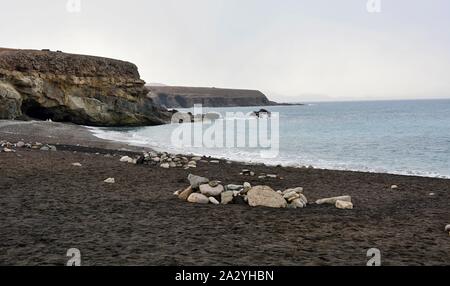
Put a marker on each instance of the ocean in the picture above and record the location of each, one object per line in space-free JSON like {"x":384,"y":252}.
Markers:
{"x":410,"y":137}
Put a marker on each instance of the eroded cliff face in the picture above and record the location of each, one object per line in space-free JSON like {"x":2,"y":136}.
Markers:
{"x":186,"y":97}
{"x":74,"y":88}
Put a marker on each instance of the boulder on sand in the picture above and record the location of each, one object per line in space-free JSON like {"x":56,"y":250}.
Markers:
{"x":333,"y":200}
{"x":298,"y":190}
{"x":291,"y":196}
{"x":127,"y":159}
{"x":209,"y":191}
{"x":297,"y":203}
{"x":196,"y":181}
{"x":184,"y":195}
{"x":343,"y":205}
{"x":232,"y":187}
{"x":213,"y":201}
{"x":198,"y":199}
{"x":265,"y":196}
{"x":226,"y":197}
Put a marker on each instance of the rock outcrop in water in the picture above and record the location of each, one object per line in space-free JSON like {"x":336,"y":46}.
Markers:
{"x":74,"y":88}
{"x":186,"y":97}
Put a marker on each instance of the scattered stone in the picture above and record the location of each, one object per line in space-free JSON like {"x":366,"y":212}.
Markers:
{"x":272,"y":176}
{"x":165,"y":166}
{"x":184,"y":195}
{"x":198,"y":198}
{"x":226,"y":197}
{"x":156,"y":159}
{"x":7,"y":150}
{"x":44,"y":148}
{"x":172,"y":165}
{"x":196,"y":181}
{"x":344,"y":205}
{"x":333,"y":200}
{"x":291,"y":196}
{"x":232,"y":187}
{"x":246,"y":172}
{"x":431,"y":194}
{"x":20,"y":144}
{"x":262,"y":177}
{"x":214,"y":161}
{"x":394,"y":187}
{"x":126,"y":159}
{"x":303,"y":199}
{"x":298,"y":190}
{"x":76,"y":164}
{"x":213,"y":183}
{"x":52,"y":148}
{"x":209,"y":191}
{"x":177,"y":193}
{"x":247,"y":187}
{"x":110,"y":181}
{"x":297,"y":204}
{"x":213,"y":201}
{"x":265,"y":196}
{"x":140,"y":160}
{"x":196,"y":158}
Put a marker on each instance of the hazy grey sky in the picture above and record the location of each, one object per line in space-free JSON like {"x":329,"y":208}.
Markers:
{"x":289,"y":49}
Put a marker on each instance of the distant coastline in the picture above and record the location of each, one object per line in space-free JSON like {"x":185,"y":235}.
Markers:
{"x":187,"y":97}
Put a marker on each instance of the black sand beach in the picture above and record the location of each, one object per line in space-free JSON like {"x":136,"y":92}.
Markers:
{"x":48,"y":206}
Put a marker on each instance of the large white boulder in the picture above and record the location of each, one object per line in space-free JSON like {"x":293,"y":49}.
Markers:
{"x":265,"y":196}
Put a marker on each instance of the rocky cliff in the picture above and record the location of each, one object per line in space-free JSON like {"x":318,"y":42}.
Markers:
{"x":186,"y":97}
{"x":74,"y":88}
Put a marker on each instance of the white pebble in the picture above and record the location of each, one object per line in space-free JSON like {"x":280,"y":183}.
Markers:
{"x":110,"y":181}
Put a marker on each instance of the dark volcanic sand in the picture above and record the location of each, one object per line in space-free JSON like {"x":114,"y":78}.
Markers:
{"x":48,"y":206}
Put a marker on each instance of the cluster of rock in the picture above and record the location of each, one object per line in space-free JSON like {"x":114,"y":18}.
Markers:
{"x":246,"y":172}
{"x":341,"y":202}
{"x":9,"y":147}
{"x":166,"y":160}
{"x":204,"y":191}
{"x":189,"y":117}
{"x":261,"y":113}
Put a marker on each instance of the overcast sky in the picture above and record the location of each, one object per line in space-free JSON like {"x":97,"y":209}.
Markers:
{"x":289,"y":49}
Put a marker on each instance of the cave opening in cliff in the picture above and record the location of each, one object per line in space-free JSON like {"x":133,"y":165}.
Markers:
{"x":34,"y":110}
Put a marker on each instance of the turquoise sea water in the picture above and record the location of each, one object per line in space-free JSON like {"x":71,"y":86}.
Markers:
{"x":399,"y":137}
